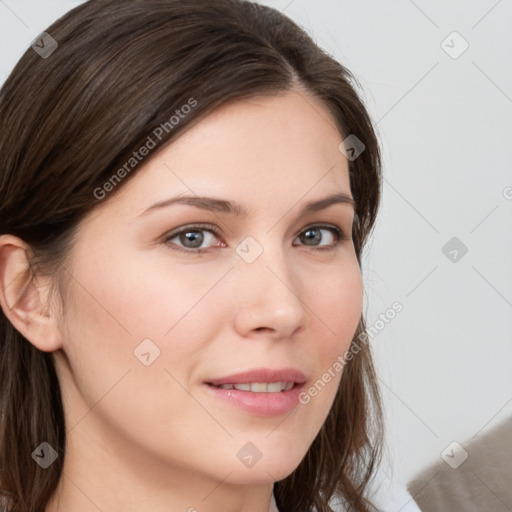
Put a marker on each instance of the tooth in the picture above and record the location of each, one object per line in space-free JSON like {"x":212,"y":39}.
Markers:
{"x":259,"y":387}
{"x":274,"y":387}
{"x":242,"y":387}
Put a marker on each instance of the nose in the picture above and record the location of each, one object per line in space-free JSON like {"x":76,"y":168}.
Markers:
{"x":270,"y":296}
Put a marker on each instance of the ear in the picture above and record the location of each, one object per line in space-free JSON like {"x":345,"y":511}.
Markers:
{"x":24,"y":297}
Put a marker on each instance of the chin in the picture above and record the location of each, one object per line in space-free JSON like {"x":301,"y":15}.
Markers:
{"x":261,"y":476}
{"x":267,"y":470}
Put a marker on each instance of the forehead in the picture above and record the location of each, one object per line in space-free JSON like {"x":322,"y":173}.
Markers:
{"x":270,"y":148}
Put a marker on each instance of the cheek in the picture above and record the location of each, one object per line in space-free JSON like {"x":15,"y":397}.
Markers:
{"x":131,"y":300}
{"x":341,"y":304}
{"x":112,"y":308}
{"x":339,"y":308}
{"x":117,"y":304}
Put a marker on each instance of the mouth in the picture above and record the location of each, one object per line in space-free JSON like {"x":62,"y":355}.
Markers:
{"x":263,"y":399}
{"x":259,"y":387}
{"x":259,"y":391}
{"x":261,"y":380}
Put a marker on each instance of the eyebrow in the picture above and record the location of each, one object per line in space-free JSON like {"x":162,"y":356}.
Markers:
{"x":231,"y":208}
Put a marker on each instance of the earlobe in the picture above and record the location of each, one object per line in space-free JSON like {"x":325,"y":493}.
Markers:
{"x":24,"y":298}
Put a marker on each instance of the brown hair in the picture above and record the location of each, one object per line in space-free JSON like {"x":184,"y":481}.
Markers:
{"x":71,"y":120}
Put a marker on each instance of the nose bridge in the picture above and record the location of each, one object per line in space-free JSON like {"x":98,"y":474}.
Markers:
{"x":267,"y":258}
{"x":270,"y":288}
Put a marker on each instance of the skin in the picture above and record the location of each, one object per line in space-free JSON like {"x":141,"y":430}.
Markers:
{"x":150,"y":437}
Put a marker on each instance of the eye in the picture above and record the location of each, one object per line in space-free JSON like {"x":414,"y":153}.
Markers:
{"x":314,"y":234}
{"x":191,"y":238}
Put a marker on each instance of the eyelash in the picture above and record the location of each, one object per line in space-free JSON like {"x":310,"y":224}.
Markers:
{"x":338,"y":233}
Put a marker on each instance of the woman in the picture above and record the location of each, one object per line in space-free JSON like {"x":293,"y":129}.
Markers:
{"x":186,"y":191}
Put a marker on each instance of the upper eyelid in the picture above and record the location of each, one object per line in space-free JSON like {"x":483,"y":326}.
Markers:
{"x":213,"y":229}
{"x":217,"y":231}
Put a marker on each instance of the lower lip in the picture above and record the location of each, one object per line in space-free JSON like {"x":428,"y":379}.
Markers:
{"x":259,"y":404}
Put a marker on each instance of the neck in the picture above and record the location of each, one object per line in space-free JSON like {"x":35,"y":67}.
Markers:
{"x":96,"y":477}
{"x":104,"y":470}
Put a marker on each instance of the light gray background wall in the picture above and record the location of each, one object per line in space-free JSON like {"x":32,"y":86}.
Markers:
{"x":444,"y":118}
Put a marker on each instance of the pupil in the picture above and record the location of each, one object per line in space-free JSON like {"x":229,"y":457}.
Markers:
{"x":195,"y":237}
{"x":316,"y":234}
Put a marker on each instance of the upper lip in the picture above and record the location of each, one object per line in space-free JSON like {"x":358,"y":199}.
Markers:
{"x":261,"y":375}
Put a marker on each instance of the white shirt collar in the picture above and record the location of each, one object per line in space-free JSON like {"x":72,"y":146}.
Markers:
{"x":273,"y":506}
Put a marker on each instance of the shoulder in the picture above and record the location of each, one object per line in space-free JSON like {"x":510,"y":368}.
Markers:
{"x":475,"y":476}
{"x":387,"y":496}
{"x":391,"y":495}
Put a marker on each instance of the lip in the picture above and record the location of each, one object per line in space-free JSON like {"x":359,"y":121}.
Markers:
{"x":259,"y":404}
{"x":261,"y":375}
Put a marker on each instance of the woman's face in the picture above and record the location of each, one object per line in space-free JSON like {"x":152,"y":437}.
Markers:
{"x":151,"y":316}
